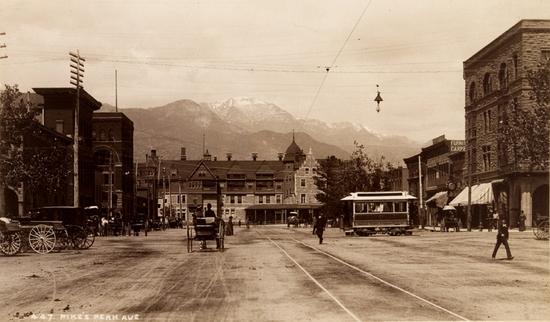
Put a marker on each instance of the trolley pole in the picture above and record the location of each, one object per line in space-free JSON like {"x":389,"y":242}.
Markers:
{"x":77,"y":73}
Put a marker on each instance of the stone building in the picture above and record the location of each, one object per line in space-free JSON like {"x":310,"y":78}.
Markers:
{"x":495,"y":82}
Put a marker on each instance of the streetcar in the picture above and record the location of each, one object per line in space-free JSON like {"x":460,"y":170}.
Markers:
{"x":369,"y":213}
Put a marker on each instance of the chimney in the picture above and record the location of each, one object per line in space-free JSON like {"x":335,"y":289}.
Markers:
{"x":229,"y":156}
{"x":280,"y":156}
{"x":183,"y":156}
{"x":254,"y":156}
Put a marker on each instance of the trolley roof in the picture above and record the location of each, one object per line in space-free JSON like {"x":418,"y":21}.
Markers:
{"x":379,"y":196}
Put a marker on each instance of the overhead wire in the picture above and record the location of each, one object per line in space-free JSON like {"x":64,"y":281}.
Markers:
{"x":334,"y":61}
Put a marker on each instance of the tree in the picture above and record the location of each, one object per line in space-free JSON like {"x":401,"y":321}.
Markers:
{"x":337,"y":178}
{"x":525,"y":130}
{"x":30,"y":155}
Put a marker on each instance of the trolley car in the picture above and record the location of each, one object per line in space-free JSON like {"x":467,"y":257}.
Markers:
{"x":368,"y":213}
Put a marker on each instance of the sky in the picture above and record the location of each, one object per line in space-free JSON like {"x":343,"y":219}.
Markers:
{"x":276,"y":51}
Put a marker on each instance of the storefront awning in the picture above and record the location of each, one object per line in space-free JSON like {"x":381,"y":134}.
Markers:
{"x":439,"y":199}
{"x":482,"y":194}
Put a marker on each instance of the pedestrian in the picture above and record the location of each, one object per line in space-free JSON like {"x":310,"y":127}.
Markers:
{"x":320,"y":227}
{"x":239,"y":223}
{"x":502,"y":238}
{"x":494,"y":220}
{"x":314,"y":224}
{"x":522,"y":219}
{"x":209,"y":212}
{"x":229,"y":227}
{"x":104,"y":225}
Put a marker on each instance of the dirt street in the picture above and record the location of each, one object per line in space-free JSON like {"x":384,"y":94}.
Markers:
{"x":275,"y":273}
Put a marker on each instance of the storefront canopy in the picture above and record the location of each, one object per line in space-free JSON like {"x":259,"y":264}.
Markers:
{"x":439,"y":199}
{"x":482,"y":194}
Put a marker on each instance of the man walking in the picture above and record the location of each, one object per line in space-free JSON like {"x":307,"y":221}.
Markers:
{"x":502,"y":238}
{"x":320,"y":227}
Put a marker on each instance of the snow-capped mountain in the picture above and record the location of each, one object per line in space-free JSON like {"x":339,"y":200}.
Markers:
{"x":243,"y":125}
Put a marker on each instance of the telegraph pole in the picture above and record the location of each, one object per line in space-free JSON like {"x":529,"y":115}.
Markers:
{"x":116,"y":91}
{"x":3,"y":45}
{"x":420,"y":206}
{"x":77,"y":73}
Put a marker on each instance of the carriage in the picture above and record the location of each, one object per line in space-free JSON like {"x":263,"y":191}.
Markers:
{"x":204,"y":229}
{"x":10,"y":236}
{"x":369,"y":213}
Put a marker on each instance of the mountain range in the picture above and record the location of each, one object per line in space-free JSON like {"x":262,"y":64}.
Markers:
{"x":244,"y":125}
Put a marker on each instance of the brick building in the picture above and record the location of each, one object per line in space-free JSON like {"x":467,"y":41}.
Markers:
{"x":58,"y":113}
{"x":495,"y":80}
{"x":113,"y":142}
{"x":265,"y":191}
{"x":441,"y":165}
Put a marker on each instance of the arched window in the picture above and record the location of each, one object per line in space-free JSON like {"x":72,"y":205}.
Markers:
{"x":472,"y":92}
{"x":487,"y":86}
{"x":503,"y":76}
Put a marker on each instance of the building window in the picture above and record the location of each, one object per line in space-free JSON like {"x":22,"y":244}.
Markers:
{"x":503,"y":76}
{"x":232,"y":211}
{"x":302,"y":182}
{"x":278,"y":198}
{"x":59,"y":126}
{"x":303,"y":198}
{"x":239,"y":199}
{"x":487,"y":86}
{"x":307,"y":170}
{"x":472,"y":92}
{"x":260,"y":199}
{"x":231,"y":199}
{"x":545,"y":54}
{"x":267,"y":199}
{"x":486,"y":157}
{"x":314,"y":170}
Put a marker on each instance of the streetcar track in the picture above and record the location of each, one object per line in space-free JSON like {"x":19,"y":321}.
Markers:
{"x":317,"y":282}
{"x":382,"y":280}
{"x":363,"y":272}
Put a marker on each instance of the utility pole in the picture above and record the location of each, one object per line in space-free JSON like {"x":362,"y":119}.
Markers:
{"x":3,"y":45}
{"x":469,"y":206}
{"x":110,"y":182}
{"x":116,"y":91}
{"x":421,"y":204}
{"x":77,"y":73}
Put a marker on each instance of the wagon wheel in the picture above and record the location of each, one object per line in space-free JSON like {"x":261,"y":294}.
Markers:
{"x":77,"y":236}
{"x":10,"y":243}
{"x":541,"y":231}
{"x":63,"y":241}
{"x":189,"y":240}
{"x":42,"y":239}
{"x":221,"y":235}
{"x":89,"y":239}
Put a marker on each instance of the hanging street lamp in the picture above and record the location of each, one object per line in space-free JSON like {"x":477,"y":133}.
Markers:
{"x":378,"y":99}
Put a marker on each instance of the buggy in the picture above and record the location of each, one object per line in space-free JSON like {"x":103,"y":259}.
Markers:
{"x":206,"y":228}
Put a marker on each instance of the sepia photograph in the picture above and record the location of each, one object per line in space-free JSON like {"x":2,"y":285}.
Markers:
{"x":262,"y":160}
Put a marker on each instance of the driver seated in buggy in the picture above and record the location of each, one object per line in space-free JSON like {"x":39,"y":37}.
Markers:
{"x":206,"y":226}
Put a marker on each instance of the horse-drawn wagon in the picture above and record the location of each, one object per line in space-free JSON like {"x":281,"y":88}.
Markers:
{"x":46,"y":229}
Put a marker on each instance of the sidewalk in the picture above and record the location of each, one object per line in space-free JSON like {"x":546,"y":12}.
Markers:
{"x":438,"y":229}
